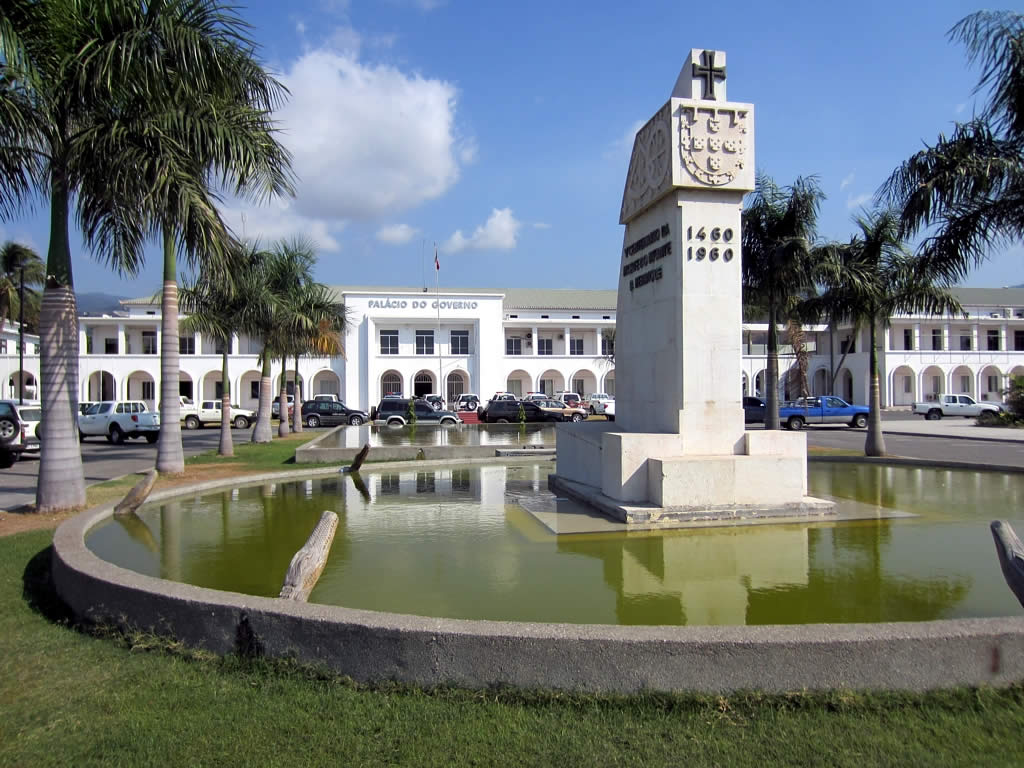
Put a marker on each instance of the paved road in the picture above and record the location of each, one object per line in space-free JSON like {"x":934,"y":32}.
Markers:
{"x":102,"y":461}
{"x":906,"y":435}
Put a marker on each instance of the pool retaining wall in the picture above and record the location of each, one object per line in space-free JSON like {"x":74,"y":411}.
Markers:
{"x":372,"y":647}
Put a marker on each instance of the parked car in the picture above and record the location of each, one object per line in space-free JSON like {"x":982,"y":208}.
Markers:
{"x":507,"y":412}
{"x":595,"y":402}
{"x":394,"y":412}
{"x":85,"y":405}
{"x":559,"y":406}
{"x":119,"y":419}
{"x":753,"y":410}
{"x":609,"y":410}
{"x":956,"y":405}
{"x":571,"y":398}
{"x":536,"y":396}
{"x":436,"y":402}
{"x":275,"y":406}
{"x":467,"y":402}
{"x":19,"y":430}
{"x":211,"y":411}
{"x":330,"y":414}
{"x":822,"y":410}
{"x":327,"y":397}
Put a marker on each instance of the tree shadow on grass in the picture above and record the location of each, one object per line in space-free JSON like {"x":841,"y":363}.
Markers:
{"x":38,"y":590}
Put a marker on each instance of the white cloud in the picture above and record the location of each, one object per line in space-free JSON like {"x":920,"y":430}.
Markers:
{"x":858,"y":201}
{"x":498,"y":233}
{"x":367,"y":141}
{"x":278,"y":220}
{"x":846,"y":182}
{"x":397,"y":234}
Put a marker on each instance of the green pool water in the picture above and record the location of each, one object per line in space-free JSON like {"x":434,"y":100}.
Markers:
{"x":455,"y":543}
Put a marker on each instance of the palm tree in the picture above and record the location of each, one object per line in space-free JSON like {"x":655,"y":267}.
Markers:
{"x":19,"y":265}
{"x":223,"y":309}
{"x":778,"y":266}
{"x":869,"y":281}
{"x":125,"y":109}
{"x":321,"y":322}
{"x":969,"y":187}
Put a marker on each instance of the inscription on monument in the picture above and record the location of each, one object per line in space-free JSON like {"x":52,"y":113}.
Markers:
{"x":648,"y":259}
{"x":714,"y":235}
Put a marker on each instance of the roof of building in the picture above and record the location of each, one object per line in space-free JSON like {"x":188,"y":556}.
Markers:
{"x":571,"y":298}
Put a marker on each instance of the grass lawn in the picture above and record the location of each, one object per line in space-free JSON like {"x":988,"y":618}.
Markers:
{"x":73,"y":698}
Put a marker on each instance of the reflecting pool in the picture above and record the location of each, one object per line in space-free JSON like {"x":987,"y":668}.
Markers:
{"x":429,"y":435}
{"x":459,"y":543}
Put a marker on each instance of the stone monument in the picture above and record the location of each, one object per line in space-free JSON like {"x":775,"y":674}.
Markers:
{"x":678,"y":449}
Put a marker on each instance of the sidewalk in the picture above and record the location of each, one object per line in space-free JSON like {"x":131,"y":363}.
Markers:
{"x":965,"y":429}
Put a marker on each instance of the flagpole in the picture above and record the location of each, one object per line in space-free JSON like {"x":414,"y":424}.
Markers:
{"x":437,"y":301}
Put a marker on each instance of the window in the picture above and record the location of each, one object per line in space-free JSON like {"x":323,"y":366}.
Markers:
{"x":218,"y":347}
{"x":607,"y":346}
{"x":110,"y":346}
{"x":936,"y":385}
{"x":993,"y":384}
{"x":424,"y":342}
{"x":544,"y":346}
{"x":389,"y":485}
{"x":993,"y":340}
{"x":513,"y":345}
{"x":965,"y":383}
{"x":907,"y":384}
{"x":254,"y":390}
{"x":149,"y":343}
{"x":575,"y":346}
{"x":515,"y":387}
{"x":849,"y":346}
{"x":937,"y":339}
{"x":218,"y":390}
{"x":148,"y":390}
{"x":908,"y":338}
{"x":577,"y":386}
{"x":3,"y":346}
{"x":391,"y":384}
{"x":187,"y":346}
{"x":389,"y":342}
{"x":547,"y":386}
{"x":965,"y":343}
{"x":460,"y":342}
{"x":1018,"y":341}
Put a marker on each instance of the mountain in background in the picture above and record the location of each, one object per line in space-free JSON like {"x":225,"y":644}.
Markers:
{"x":98,"y":303}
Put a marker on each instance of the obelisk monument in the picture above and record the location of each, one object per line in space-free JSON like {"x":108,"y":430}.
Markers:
{"x":678,"y":449}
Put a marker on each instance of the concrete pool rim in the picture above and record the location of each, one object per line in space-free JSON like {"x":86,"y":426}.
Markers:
{"x":371,"y":646}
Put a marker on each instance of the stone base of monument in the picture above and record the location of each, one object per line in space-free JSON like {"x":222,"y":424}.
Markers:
{"x":665,"y":479}
{"x":646,"y":515}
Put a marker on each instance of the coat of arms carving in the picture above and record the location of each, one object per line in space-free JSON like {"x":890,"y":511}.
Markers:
{"x":713,"y":143}
{"x":650,"y":167}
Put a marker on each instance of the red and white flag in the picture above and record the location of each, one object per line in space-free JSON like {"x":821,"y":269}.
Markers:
{"x":437,"y":264}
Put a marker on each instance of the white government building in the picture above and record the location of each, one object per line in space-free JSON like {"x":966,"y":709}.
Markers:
{"x":411,"y":341}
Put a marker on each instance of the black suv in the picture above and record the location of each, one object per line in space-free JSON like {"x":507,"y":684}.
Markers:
{"x":394,"y":411}
{"x":330,"y":414}
{"x":507,"y":412}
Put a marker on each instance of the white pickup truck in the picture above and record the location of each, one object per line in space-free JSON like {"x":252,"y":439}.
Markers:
{"x":954,"y":405}
{"x":210,"y":412}
{"x":119,"y":419}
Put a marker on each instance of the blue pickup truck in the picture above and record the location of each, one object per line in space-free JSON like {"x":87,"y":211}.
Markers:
{"x":822,"y":410}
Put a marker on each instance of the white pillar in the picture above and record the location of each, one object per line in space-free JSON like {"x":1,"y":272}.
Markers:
{"x":567,"y":336}
{"x":199,"y":343}
{"x":535,"y":339}
{"x":945,"y":337}
{"x":917,"y":336}
{"x":1003,"y":338}
{"x":121,"y":347}
{"x":974,"y":337}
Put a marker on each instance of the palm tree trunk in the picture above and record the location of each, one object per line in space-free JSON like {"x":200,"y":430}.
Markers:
{"x":61,"y":482}
{"x":874,"y":444}
{"x":227,"y":448}
{"x":297,"y":414}
{"x":262,"y":433}
{"x":170,"y":456}
{"x":282,"y":423}
{"x":771,"y":383}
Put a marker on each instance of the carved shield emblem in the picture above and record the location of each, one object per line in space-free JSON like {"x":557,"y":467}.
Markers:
{"x":712,"y":143}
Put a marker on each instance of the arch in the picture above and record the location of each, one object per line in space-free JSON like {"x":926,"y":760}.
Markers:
{"x":519,"y":383}
{"x":551,"y":381}
{"x":608,"y":384}
{"x":326,"y":382}
{"x":903,"y":386}
{"x":991,"y":384}
{"x":391,"y":383}
{"x":23,"y":384}
{"x":821,"y":381}
{"x":1018,"y":370}
{"x":140,"y":385}
{"x":294,"y":384}
{"x":424,"y":383}
{"x":933,"y":382}
{"x":759,"y":383}
{"x":185,"y":385}
{"x":248,"y":394}
{"x":584,"y":379}
{"x":457,"y":384}
{"x":790,"y":383}
{"x":961,"y":380}
{"x":209,"y":386}
{"x":100,"y":385}
{"x":845,"y":382}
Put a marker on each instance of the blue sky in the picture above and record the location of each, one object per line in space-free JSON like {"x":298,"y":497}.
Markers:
{"x":502,"y":131}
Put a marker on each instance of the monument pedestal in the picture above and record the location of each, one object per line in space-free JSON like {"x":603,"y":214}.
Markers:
{"x":679,"y":450}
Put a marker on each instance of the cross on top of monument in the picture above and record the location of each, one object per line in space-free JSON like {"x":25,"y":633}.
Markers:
{"x":702,"y":76}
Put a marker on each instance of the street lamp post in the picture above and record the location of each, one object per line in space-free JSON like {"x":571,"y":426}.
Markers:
{"x":21,"y":336}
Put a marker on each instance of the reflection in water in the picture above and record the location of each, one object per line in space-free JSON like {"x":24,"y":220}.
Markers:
{"x":450,"y":542}
{"x":428,"y":435}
